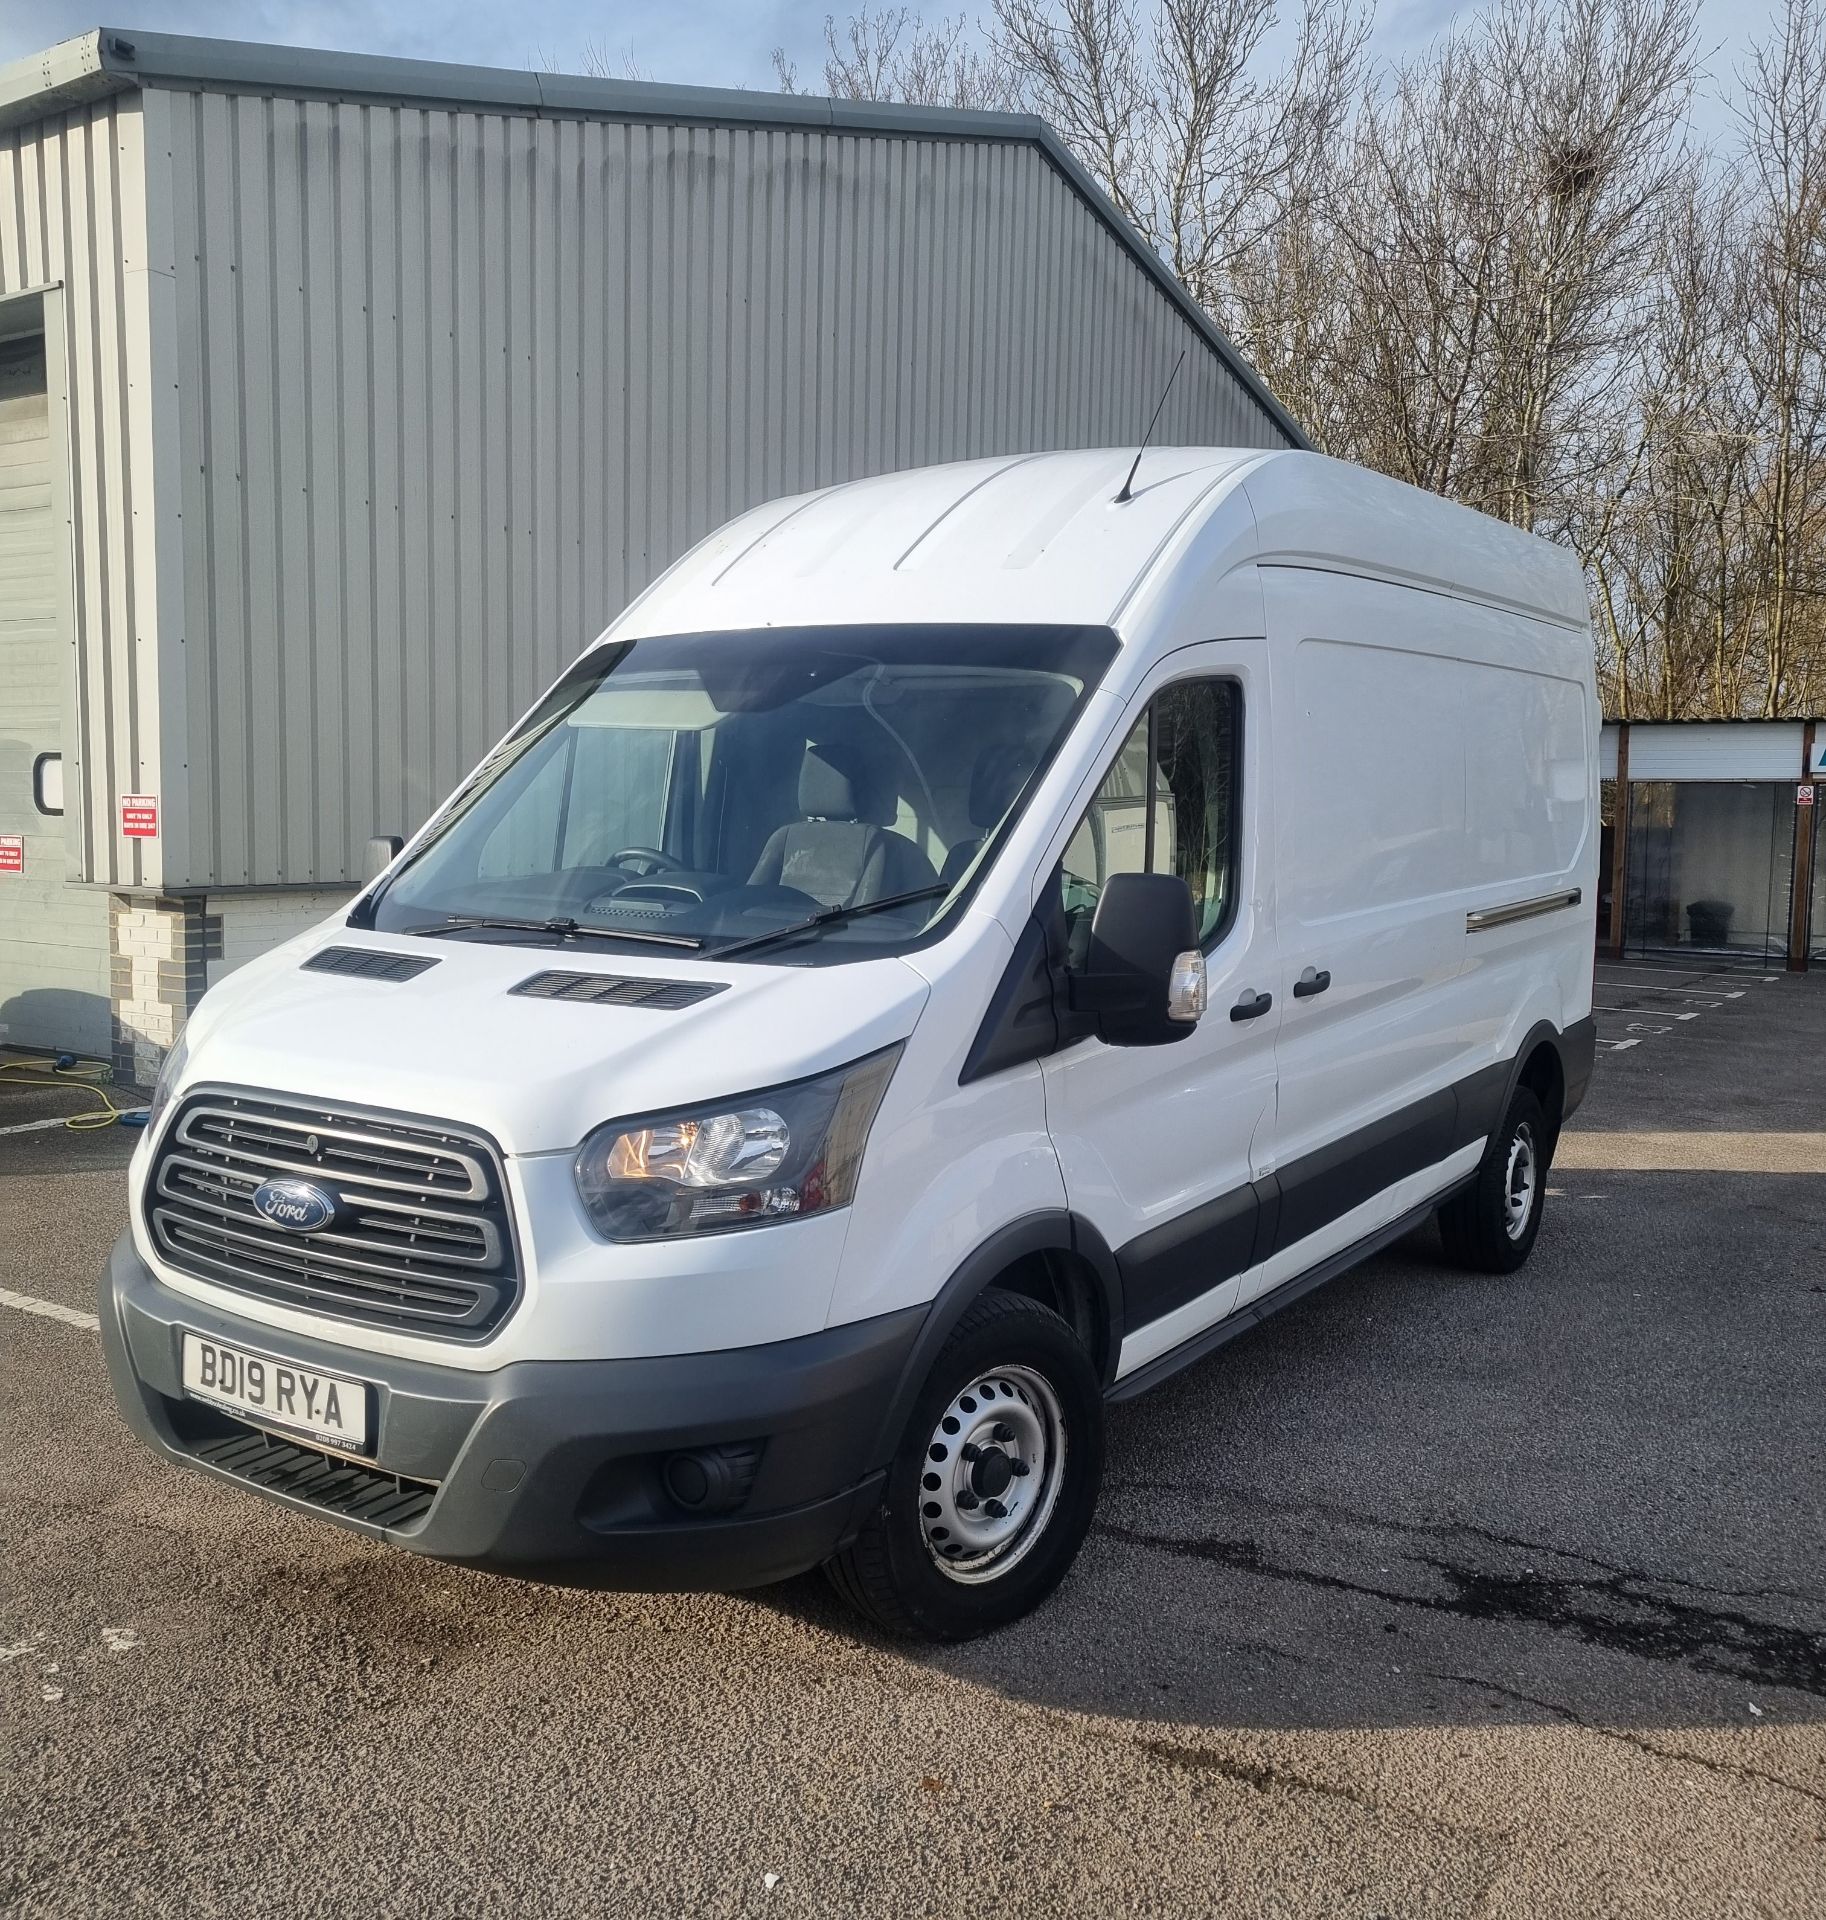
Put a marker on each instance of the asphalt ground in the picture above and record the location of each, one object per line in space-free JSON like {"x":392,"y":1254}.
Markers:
{"x":1438,"y":1595}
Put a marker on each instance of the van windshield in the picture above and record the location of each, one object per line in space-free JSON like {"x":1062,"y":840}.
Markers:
{"x":810,"y":794}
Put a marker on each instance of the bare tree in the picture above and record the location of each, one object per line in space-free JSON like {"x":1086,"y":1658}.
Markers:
{"x":1504,"y":199}
{"x":1206,"y":144}
{"x":1710,"y":578}
{"x":892,"y":54}
{"x":598,"y":62}
{"x":1660,"y":536}
{"x":1500,"y":269}
{"x":1784,"y":151}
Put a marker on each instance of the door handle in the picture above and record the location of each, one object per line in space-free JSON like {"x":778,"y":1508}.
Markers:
{"x":1312,"y":981}
{"x":1252,"y":1006}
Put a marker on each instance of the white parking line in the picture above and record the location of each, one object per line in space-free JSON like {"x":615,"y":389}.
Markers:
{"x":1669,"y":966}
{"x":1660,"y":1013}
{"x":1714,"y":994}
{"x":71,"y":1316}
{"x":37,"y":1126}
{"x":1687,"y":974}
{"x":1643,"y":986}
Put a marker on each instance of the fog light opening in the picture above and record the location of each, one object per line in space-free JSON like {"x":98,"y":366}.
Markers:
{"x":711,"y":1480}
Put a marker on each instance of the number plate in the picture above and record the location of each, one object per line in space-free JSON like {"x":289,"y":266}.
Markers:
{"x":322,"y":1407}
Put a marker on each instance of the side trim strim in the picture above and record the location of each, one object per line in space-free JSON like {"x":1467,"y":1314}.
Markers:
{"x":1504,"y":916}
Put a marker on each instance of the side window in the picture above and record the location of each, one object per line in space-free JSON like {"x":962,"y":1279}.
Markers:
{"x":1167,"y":805}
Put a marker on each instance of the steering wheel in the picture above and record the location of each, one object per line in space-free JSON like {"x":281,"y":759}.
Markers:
{"x":656,"y":859}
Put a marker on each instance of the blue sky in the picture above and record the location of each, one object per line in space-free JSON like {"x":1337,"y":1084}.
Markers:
{"x":709,"y":42}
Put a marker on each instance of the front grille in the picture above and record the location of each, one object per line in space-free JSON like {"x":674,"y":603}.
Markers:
{"x":421,"y":1239}
{"x":350,"y":1488}
{"x":617,"y":990}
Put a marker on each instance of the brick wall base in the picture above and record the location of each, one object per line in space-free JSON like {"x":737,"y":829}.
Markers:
{"x":160,"y":948}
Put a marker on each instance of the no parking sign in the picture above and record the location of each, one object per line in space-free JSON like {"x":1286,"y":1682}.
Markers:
{"x":139,"y":816}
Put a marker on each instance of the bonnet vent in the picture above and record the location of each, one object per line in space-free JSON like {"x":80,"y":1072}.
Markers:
{"x":367,"y":963}
{"x":619,"y":990}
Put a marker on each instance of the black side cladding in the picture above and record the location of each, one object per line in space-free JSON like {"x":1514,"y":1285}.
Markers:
{"x":1320,"y":1187}
{"x":1168,"y":1265}
{"x":1171,"y":1264}
{"x":1578,"y":1054}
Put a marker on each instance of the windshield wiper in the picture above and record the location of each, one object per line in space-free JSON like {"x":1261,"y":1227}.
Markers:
{"x":827,"y":917}
{"x":560,"y":926}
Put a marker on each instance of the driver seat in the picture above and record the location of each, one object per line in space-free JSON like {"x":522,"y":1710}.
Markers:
{"x":842,"y":852}
{"x":1001,"y":771}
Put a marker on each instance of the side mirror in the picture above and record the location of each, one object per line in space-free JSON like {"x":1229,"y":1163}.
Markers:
{"x":383,"y":850}
{"x":1144,"y":977}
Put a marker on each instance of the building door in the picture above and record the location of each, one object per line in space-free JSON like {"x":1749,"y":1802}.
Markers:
{"x":1711,"y":867}
{"x":53,"y":936}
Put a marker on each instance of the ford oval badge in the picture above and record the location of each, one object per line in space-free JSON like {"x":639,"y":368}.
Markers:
{"x":299,"y":1206}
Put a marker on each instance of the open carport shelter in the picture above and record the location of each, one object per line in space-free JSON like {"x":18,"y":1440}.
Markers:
{"x":343,"y":400}
{"x":1711,"y":831}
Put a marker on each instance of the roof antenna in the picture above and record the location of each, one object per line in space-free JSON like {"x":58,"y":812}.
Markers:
{"x":1126,"y":495}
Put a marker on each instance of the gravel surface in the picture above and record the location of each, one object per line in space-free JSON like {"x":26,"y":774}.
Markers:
{"x":1439,"y":1595}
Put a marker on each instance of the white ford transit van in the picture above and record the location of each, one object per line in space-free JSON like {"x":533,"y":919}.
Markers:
{"x":958,"y":949}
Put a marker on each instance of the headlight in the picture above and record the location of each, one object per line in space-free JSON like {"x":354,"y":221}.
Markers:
{"x":166,"y":1084}
{"x":734,"y":1163}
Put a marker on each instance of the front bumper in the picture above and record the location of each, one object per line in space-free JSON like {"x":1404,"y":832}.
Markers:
{"x":554,"y":1462}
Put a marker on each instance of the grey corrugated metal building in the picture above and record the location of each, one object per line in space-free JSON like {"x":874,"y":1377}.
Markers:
{"x":364,"y":393}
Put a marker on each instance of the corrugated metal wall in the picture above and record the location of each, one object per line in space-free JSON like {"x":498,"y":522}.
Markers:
{"x":453,"y":386}
{"x":73,"y":215}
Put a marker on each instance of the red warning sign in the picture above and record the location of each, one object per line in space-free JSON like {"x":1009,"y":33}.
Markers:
{"x":139,"y":816}
{"x":12,"y":853}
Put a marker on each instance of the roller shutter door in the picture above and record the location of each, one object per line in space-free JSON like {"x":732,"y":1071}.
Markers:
{"x":53,"y":936}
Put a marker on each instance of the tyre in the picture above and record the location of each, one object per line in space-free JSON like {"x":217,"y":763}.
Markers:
{"x":991,"y":1490}
{"x":1491,"y":1225}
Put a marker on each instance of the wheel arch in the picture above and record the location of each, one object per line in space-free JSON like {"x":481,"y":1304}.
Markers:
{"x":1053,"y":1257}
{"x":1542,"y":1071}
{"x":1552,"y":1064}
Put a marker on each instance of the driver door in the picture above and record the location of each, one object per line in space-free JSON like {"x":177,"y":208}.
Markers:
{"x":1161,"y":1146}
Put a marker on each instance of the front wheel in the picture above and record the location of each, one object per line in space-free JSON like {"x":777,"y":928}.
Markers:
{"x":1492,"y":1224}
{"x":991,"y":1491}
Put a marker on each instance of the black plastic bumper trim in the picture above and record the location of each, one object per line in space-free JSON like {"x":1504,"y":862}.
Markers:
{"x":553,"y":1463}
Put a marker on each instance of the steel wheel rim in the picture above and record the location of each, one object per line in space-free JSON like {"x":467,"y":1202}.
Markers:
{"x":1519,"y":1183}
{"x":1009,"y":1415}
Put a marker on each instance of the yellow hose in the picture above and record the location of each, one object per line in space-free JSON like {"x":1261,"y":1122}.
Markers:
{"x":93,"y":1076}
